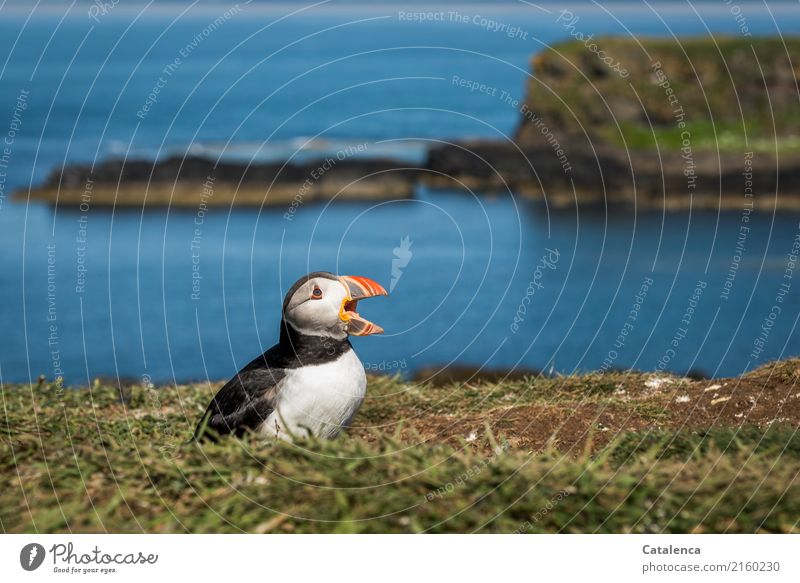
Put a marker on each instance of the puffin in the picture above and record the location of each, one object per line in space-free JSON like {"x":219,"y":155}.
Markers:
{"x":311,"y":383}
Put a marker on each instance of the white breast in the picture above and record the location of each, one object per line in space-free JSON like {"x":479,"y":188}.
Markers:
{"x":321,"y":399}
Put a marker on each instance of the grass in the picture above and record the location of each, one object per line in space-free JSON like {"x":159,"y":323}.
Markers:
{"x":722,"y":137}
{"x":461,"y":458}
{"x":733,"y":94}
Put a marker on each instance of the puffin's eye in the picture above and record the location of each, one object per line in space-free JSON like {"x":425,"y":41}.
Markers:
{"x":317,"y":293}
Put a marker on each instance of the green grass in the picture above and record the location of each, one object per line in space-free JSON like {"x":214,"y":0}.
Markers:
{"x":733,"y":94}
{"x":82,"y":461}
{"x":722,"y":137}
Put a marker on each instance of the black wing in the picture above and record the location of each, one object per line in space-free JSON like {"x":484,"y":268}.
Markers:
{"x":244,"y":402}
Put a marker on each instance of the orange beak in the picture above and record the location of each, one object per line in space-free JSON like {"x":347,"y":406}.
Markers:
{"x":359,"y":288}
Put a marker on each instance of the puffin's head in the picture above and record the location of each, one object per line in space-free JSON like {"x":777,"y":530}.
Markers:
{"x":324,"y":304}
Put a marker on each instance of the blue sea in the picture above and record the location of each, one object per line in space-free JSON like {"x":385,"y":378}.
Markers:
{"x":491,"y":281}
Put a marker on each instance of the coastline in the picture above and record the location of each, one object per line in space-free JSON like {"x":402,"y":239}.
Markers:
{"x":663,"y":136}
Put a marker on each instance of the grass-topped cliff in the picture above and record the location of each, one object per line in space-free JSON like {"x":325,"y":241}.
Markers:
{"x":655,"y":123}
{"x":726,"y":93}
{"x":596,"y":453}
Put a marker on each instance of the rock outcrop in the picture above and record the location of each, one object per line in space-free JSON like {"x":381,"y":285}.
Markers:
{"x":190,"y":181}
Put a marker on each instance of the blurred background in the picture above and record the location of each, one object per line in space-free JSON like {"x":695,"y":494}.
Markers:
{"x":479,"y":278}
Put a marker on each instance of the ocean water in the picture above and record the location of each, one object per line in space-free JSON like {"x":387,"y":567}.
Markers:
{"x":173,"y":295}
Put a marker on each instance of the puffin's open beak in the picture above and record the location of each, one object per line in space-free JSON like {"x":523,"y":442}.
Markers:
{"x":359,"y":288}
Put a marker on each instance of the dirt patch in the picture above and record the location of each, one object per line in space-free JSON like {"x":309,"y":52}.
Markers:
{"x":637,"y":402}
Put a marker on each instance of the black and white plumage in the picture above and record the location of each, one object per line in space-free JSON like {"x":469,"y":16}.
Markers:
{"x":311,"y":382}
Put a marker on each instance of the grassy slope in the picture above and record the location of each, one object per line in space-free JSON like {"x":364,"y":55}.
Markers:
{"x":738,"y":94}
{"x":607,"y":453}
